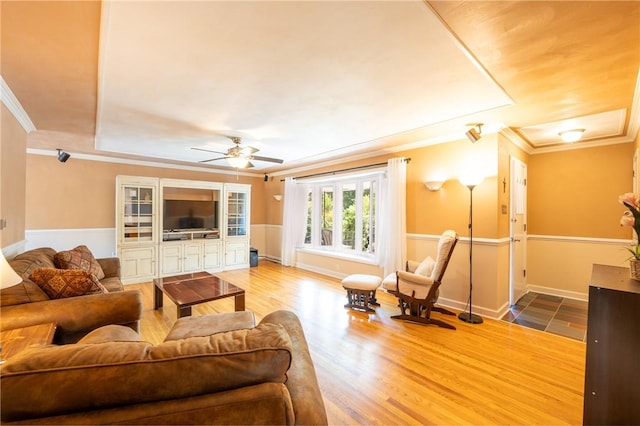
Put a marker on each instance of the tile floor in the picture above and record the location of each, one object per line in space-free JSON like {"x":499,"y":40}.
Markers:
{"x":558,"y":315}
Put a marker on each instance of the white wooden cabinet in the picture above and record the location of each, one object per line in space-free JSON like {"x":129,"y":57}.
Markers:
{"x":179,"y":257}
{"x":137,"y":263}
{"x":212,"y":255}
{"x":236,"y":231}
{"x":137,"y":227}
{"x":169,"y":226}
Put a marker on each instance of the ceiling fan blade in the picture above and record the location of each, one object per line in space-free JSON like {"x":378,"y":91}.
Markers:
{"x":211,"y":159}
{"x":208,"y":150}
{"x":248,"y":150}
{"x":249,"y":165}
{"x":269,"y":159}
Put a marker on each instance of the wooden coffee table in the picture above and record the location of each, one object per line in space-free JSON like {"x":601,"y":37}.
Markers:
{"x":191,"y":289}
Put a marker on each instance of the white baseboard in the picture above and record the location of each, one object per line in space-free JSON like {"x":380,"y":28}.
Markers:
{"x":480,"y":310}
{"x":327,"y":272}
{"x":557,"y":292}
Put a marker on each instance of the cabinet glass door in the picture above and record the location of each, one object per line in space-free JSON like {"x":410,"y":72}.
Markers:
{"x":138,"y":215}
{"x":236,"y":213}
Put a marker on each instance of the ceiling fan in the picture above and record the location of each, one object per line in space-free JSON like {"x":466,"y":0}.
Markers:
{"x":239,"y":156}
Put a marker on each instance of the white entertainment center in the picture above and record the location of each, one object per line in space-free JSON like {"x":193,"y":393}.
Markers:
{"x":172,"y":226}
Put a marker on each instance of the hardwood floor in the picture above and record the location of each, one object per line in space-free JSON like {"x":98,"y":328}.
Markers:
{"x":376,"y":370}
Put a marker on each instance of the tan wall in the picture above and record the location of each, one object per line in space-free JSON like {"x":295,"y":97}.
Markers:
{"x":13,"y":142}
{"x":81,"y":193}
{"x":433,"y":212}
{"x":575,"y":193}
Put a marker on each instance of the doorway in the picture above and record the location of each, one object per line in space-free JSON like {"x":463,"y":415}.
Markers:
{"x":518,"y":231}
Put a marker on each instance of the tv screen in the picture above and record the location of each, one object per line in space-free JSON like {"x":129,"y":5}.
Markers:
{"x":184,"y":214}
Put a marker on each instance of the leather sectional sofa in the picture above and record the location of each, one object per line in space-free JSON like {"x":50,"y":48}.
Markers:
{"x":212,"y":369}
{"x":27,"y":304}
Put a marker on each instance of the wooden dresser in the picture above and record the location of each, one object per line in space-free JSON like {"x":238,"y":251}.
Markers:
{"x":612,"y":375}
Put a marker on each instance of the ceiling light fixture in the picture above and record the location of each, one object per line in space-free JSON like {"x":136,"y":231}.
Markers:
{"x":238,"y":162}
{"x":571,"y":135}
{"x":475,"y":132}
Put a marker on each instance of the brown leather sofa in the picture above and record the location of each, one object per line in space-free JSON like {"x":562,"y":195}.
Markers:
{"x":26,"y":304}
{"x":213,"y":369}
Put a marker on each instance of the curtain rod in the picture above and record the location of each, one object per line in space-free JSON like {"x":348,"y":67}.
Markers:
{"x":343,"y":170}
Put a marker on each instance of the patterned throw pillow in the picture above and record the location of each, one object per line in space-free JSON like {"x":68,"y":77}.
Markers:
{"x":79,"y":258}
{"x":61,"y":283}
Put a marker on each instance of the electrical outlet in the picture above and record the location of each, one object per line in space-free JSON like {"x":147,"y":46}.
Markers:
{"x":504,"y":209}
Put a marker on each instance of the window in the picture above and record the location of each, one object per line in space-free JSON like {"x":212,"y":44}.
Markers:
{"x":341,"y":215}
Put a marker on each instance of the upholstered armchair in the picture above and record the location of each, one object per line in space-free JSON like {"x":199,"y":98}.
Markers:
{"x":418,"y":287}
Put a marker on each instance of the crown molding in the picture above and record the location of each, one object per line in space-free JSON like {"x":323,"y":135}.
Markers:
{"x":13,"y":104}
{"x":119,"y":160}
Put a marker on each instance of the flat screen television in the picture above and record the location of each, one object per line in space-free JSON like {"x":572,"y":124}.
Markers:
{"x":186,"y":214}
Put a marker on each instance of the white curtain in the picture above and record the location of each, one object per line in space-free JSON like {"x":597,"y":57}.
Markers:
{"x":294,"y":220}
{"x":392,"y":230}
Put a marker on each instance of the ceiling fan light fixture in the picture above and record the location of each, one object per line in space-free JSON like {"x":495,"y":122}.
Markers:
{"x":238,"y":162}
{"x":572,"y":135}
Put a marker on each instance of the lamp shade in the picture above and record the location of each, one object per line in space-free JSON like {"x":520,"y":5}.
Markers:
{"x":471,"y":178}
{"x":8,"y":276}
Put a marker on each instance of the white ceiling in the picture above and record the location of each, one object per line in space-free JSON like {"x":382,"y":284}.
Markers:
{"x":301,"y":81}
{"x":316,"y":82}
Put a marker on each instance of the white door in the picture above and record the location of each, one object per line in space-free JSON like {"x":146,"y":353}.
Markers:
{"x":518,"y":230}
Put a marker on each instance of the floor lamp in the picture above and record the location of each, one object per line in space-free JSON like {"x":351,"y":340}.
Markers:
{"x":470,"y":182}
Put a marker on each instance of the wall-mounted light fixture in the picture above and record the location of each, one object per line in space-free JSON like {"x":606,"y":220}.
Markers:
{"x":63,"y":156}
{"x":277,"y":197}
{"x":475,"y":132}
{"x":572,"y":135}
{"x":434,"y":185}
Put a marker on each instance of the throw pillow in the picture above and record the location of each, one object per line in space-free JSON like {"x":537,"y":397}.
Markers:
{"x":61,"y":283}
{"x":425,"y":267}
{"x":79,"y":258}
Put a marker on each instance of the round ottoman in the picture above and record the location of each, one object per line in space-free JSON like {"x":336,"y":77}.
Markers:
{"x":361,"y":291}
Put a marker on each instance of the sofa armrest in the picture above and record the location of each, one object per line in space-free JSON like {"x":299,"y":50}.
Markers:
{"x":302,"y":382}
{"x":110,"y":266}
{"x":76,"y":316}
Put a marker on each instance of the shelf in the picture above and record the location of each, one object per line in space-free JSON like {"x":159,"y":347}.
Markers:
{"x":195,"y":234}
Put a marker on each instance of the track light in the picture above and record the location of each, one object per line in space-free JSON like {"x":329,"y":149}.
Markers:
{"x":63,"y":156}
{"x":475,"y":132}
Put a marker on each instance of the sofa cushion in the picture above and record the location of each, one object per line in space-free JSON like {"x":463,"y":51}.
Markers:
{"x":206,"y":325}
{"x":111,"y":333}
{"x":27,"y":292}
{"x":100,"y":375}
{"x":112,"y":284}
{"x":61,"y":283}
{"x":79,"y":258}
{"x":26,"y":263}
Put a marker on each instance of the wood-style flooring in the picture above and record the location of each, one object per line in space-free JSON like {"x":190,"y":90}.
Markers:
{"x":378,"y":371}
